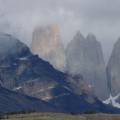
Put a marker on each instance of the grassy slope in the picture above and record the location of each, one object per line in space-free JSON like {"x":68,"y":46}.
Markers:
{"x":54,"y":116}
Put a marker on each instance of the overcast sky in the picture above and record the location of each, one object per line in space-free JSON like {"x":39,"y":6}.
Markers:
{"x":101,"y":17}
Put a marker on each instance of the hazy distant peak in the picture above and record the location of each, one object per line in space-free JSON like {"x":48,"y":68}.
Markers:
{"x":91,"y":39}
{"x":53,"y":27}
{"x":78,"y":38}
{"x":46,"y":42}
{"x":113,"y":69}
{"x":117,"y":44}
{"x":91,"y":36}
{"x":9,"y":45}
{"x":84,"y":56}
{"x":7,"y":40}
{"x":79,"y":35}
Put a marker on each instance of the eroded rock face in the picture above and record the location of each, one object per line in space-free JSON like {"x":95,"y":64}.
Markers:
{"x":85,"y":57}
{"x":14,"y":102}
{"x":47,"y":44}
{"x":78,"y":85}
{"x":11,"y":50}
{"x":10,"y":46}
{"x":113,"y":70}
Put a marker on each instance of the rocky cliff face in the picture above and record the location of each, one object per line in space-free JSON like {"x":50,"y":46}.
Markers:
{"x":11,"y":51}
{"x":113,"y":70}
{"x":85,"y":57}
{"x":113,"y":74}
{"x":73,"y":103}
{"x":47,"y":44}
{"x":14,"y":102}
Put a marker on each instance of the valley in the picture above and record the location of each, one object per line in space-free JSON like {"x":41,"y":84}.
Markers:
{"x":60,"y":116}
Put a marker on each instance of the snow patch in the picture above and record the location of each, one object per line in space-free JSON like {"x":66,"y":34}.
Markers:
{"x":23,"y":58}
{"x":112,"y":100}
{"x":42,"y":90}
{"x":17,"y":88}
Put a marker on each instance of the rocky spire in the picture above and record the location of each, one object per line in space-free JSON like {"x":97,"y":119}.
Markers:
{"x":47,"y":44}
{"x":85,"y":57}
{"x":113,"y":70}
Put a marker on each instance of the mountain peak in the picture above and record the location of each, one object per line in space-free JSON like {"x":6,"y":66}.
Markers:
{"x":47,"y":44}
{"x":55,"y":28}
{"x":117,"y":44}
{"x":79,"y":36}
{"x":113,"y":69}
{"x":9,"y":45}
{"x":85,"y":57}
{"x":91,"y":37}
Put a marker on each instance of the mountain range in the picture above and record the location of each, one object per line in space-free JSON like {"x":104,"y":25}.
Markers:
{"x":84,"y":57}
{"x":33,"y":83}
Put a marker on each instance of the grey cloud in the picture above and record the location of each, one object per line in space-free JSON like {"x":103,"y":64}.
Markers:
{"x":101,"y":17}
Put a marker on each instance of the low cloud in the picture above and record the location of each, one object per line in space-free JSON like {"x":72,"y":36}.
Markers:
{"x":101,"y":17}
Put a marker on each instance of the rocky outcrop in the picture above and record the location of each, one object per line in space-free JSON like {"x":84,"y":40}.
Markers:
{"x":78,"y":85}
{"x":84,"y":103}
{"x":47,"y":44}
{"x":14,"y":102}
{"x":11,"y":51}
{"x":113,"y":70}
{"x":113,"y":74}
{"x":84,"y":56}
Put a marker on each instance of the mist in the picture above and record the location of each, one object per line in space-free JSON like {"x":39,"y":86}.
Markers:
{"x":100,"y":17}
